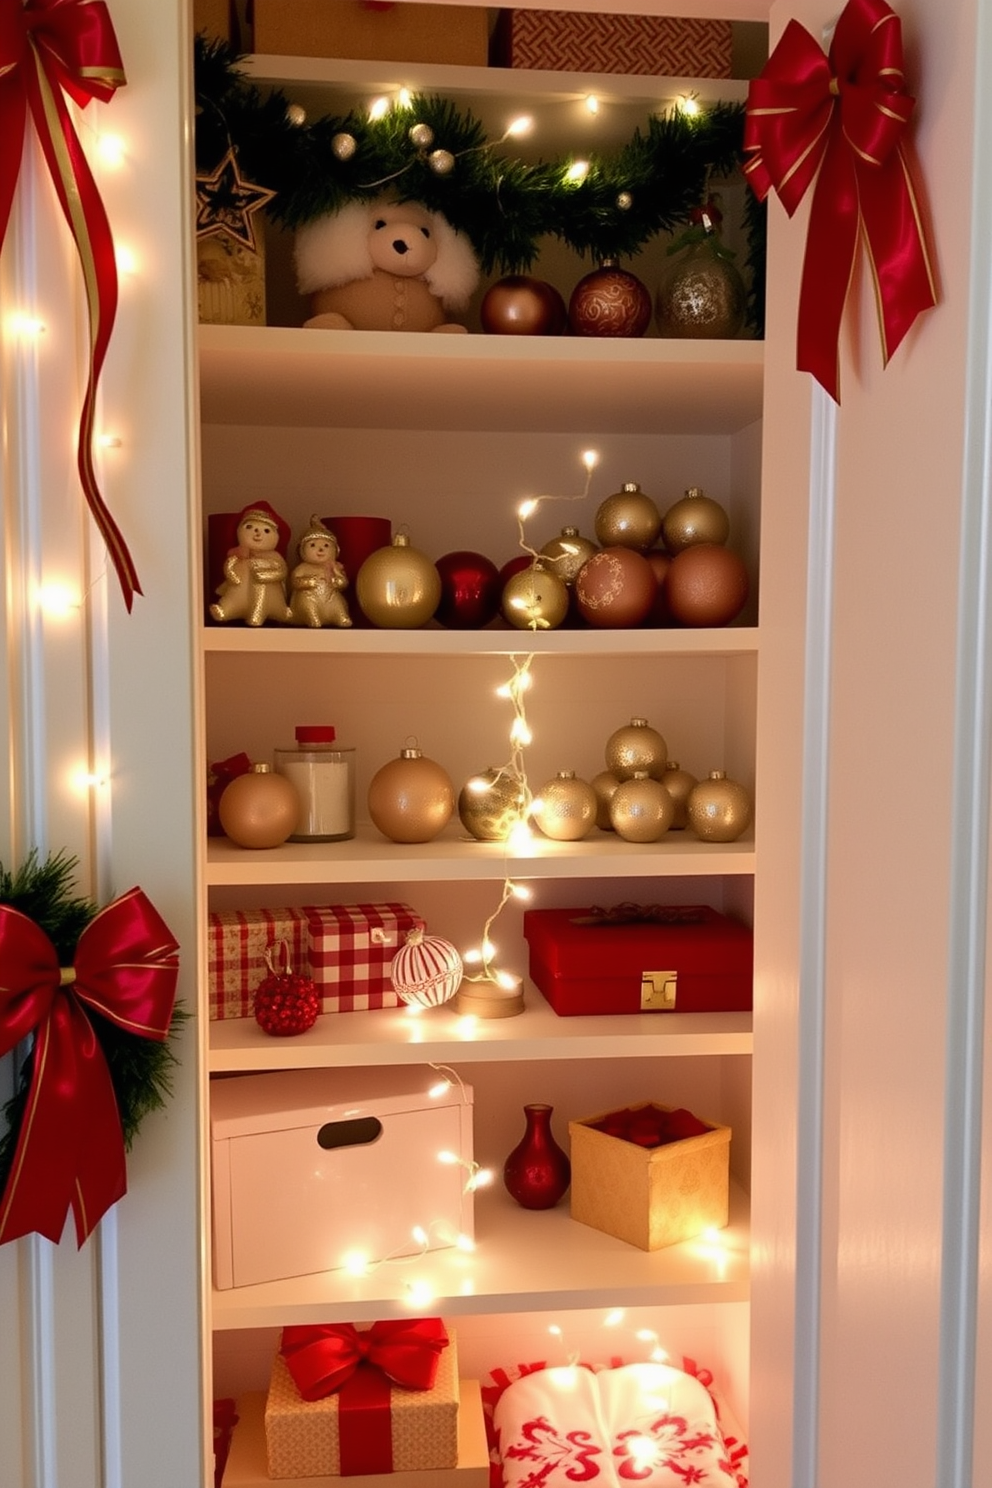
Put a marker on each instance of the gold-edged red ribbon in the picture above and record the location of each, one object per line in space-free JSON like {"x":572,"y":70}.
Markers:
{"x":840,"y":119}
{"x":49,"y":49}
{"x":335,"y":1358}
{"x":70,"y":1147}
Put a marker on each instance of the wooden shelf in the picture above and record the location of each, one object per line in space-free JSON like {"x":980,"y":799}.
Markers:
{"x":452,"y":855}
{"x":435,"y":640}
{"x":396,"y":1036}
{"x":525,"y":1260}
{"x":293,"y":377}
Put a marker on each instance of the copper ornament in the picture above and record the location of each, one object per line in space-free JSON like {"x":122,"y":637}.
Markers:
{"x":411,"y":798}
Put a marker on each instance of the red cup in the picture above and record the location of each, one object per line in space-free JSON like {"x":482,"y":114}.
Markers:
{"x":357,"y":538}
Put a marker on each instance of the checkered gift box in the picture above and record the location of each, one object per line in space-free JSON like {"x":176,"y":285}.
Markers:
{"x":351,"y":951}
{"x":239,"y":939}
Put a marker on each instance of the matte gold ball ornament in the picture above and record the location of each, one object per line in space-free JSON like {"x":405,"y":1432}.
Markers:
{"x":491,"y":803}
{"x":628,"y":519}
{"x":535,"y":599}
{"x":604,"y":786}
{"x":565,"y":807}
{"x":634,"y":747}
{"x":696,"y":518}
{"x":719,"y":809}
{"x":260,"y":808}
{"x":679,"y":783}
{"x":411,"y":798}
{"x":398,"y":587}
{"x":641,"y":809}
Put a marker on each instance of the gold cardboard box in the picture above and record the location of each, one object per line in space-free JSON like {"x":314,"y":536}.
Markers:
{"x":649,"y":1196}
{"x":246,"y":1465}
{"x":230,"y":281}
{"x":399,"y":33}
{"x":303,"y":1436}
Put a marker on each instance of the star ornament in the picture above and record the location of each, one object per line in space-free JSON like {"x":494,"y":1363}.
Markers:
{"x":226,"y":203}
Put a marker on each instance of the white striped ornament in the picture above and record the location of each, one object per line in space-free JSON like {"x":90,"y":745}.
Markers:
{"x":427,"y":970}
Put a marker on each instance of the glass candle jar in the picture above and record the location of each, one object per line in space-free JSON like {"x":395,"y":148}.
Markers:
{"x":324,"y":776}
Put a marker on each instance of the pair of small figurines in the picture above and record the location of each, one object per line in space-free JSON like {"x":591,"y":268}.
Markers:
{"x":254,"y":587}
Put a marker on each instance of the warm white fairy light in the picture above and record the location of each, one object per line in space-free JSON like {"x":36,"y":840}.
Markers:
{"x":109,"y":441}
{"x":419,"y":1293}
{"x":404,"y":98}
{"x":378,"y":108}
{"x":688,"y":105}
{"x":111,"y":150}
{"x":577,"y":172}
{"x":518,"y":127}
{"x":478,"y":1177}
{"x":530,"y":504}
{"x":592,"y":103}
{"x":615,"y":1318}
{"x":57,"y":601}
{"x":28,"y":327}
{"x":647,"y":1335}
{"x":125,"y":258}
{"x":356,"y":1263}
{"x":644,"y":1452}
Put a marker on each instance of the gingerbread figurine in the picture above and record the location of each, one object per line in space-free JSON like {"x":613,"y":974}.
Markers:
{"x":317,"y":580}
{"x":254,"y":584}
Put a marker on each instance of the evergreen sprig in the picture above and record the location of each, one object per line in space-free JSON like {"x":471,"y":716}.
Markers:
{"x":140,"y":1069}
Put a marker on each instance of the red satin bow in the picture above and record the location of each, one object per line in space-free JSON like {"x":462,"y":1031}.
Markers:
{"x":70,"y":1148}
{"x":48,"y":48}
{"x":323,"y":1357}
{"x":841,"y":119}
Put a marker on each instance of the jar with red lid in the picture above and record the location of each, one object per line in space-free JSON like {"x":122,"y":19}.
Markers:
{"x":323,"y":774}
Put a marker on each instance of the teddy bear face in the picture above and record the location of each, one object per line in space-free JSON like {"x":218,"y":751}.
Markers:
{"x":401,"y":240}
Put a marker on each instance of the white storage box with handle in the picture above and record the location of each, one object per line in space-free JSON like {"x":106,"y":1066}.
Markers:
{"x":309,"y":1165}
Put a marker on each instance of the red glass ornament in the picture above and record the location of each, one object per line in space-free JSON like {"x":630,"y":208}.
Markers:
{"x":617,"y":587}
{"x":519,"y":305}
{"x":470,"y":590}
{"x":609,"y":302}
{"x":513,"y":566}
{"x":537,"y":1172}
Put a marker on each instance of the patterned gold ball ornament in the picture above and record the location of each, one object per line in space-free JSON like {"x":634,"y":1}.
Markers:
{"x":343,"y":146}
{"x":565,"y":808}
{"x":701,"y":296}
{"x":628,"y":519}
{"x":421,"y":135}
{"x":567,"y":553}
{"x":678,"y":783}
{"x":719,"y":809}
{"x":604,"y":785}
{"x":641,"y":809}
{"x":441,"y":162}
{"x":636,"y":746}
{"x":398,"y":587}
{"x":535,"y":599}
{"x":411,"y":798}
{"x":491,"y":803}
{"x":696,"y":518}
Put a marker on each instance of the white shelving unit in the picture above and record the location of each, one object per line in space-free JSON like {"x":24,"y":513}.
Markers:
{"x":444,"y":434}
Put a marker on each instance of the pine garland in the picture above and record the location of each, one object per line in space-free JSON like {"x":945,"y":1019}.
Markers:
{"x":140,"y":1068}
{"x":502,"y":204}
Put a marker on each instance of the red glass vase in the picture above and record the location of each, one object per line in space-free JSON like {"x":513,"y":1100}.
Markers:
{"x":537,"y":1172}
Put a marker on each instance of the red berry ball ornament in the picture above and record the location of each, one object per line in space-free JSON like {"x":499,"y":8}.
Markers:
{"x":286,"y":1002}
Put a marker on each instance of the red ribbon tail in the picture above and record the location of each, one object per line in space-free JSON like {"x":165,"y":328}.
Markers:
{"x":831,"y":246}
{"x":61,"y":1163}
{"x":895,"y":244}
{"x":84,"y":212}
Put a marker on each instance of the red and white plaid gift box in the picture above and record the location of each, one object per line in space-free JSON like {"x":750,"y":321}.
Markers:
{"x":239,"y":939}
{"x":351,"y":951}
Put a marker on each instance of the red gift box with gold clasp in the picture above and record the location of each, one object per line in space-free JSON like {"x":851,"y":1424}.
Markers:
{"x":640,"y":959}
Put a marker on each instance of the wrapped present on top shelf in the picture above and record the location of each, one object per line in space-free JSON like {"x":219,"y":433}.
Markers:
{"x":586,"y":41}
{"x":454,"y":34}
{"x":237,"y":945}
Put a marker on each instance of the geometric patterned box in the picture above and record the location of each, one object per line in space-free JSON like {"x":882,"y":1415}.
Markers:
{"x":303,"y":1437}
{"x":649,"y":1196}
{"x":568,"y":41}
{"x":237,"y":942}
{"x":351,"y":950}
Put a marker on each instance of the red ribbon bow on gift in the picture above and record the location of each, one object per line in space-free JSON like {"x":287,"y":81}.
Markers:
{"x":70,"y":1149}
{"x":49,"y":48}
{"x":840,"y":119}
{"x":324,"y":1356}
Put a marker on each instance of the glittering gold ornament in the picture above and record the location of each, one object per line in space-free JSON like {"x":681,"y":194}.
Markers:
{"x":641,"y":809}
{"x":535,"y":599}
{"x":259,"y":809}
{"x":635,"y":747}
{"x":567,"y":553}
{"x":421,"y":135}
{"x":678,"y":783}
{"x":624,"y":201}
{"x":701,"y":296}
{"x":296,"y":116}
{"x":441,"y":162}
{"x":343,"y":146}
{"x":696,"y":518}
{"x":604,"y":785}
{"x":565,"y":808}
{"x":411,"y":798}
{"x":628,"y":519}
{"x":491,"y":803}
{"x":398,"y":587}
{"x":719,"y":809}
